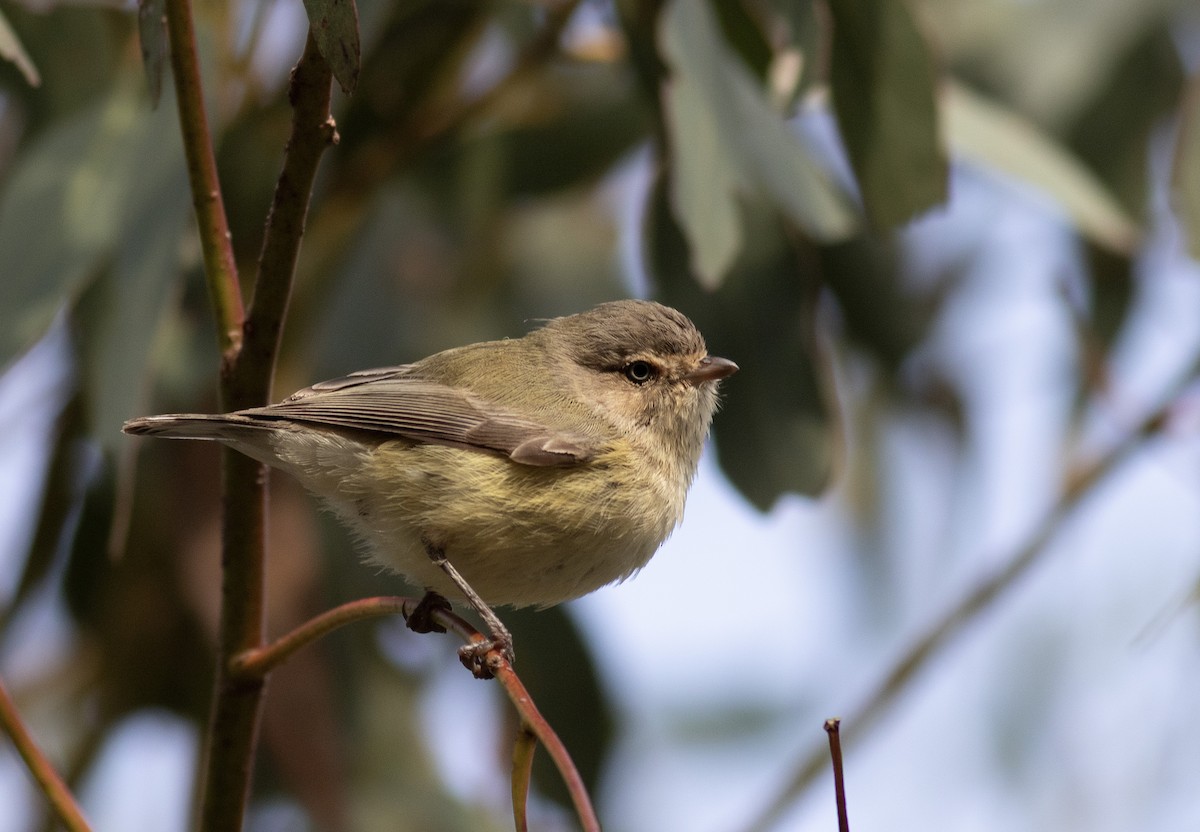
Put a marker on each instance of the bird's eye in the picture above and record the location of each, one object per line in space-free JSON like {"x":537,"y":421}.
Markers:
{"x":639,"y":372}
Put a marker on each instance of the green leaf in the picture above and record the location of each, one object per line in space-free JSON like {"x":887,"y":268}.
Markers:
{"x":744,"y":34}
{"x":726,"y":142}
{"x":152,"y":34}
{"x":774,"y":434}
{"x":73,"y":198}
{"x":335,"y":27}
{"x":120,"y":313}
{"x":993,"y":135}
{"x":12,"y":50}
{"x":1185,"y":178}
{"x":882,"y":78}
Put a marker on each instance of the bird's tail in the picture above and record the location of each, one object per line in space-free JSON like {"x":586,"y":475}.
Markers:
{"x":220,"y":427}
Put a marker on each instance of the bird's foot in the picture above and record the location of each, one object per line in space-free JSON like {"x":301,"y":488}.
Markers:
{"x":421,"y":619}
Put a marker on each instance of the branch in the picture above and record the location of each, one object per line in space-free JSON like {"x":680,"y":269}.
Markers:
{"x":313,"y":130}
{"x":533,"y":721}
{"x":260,"y":661}
{"x":51,"y":785}
{"x":920,"y":653}
{"x":219,"y":265}
{"x":253,"y":664}
{"x":248,"y":349}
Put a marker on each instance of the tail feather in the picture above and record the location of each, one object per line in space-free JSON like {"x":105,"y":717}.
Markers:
{"x":216,"y":426}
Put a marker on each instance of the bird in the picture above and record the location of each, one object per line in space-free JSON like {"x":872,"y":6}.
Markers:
{"x":518,"y":472}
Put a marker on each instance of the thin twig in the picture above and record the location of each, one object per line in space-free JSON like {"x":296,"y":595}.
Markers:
{"x":900,"y":677}
{"x":313,"y":130}
{"x":535,"y":722}
{"x":262,"y":660}
{"x":253,"y":664}
{"x":219,"y":265}
{"x":524,"y":747}
{"x":833,"y":729}
{"x":51,"y":785}
{"x":248,"y":348}
{"x":236,"y":704}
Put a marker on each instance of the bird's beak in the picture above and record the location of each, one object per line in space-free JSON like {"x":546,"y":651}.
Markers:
{"x":710,"y":368}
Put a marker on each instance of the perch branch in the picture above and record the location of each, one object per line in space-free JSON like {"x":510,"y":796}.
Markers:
{"x":253,"y":664}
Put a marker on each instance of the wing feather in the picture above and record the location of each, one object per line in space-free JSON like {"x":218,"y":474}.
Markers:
{"x":394,"y":401}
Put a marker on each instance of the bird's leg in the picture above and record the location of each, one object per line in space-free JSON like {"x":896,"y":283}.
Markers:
{"x":474,"y":656}
{"x":421,"y":619}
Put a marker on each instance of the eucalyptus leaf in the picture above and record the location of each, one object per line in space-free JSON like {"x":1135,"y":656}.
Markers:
{"x":74,"y":199}
{"x":775,"y":434}
{"x":882,"y":77}
{"x":11,"y":50}
{"x":726,"y":143}
{"x":119,"y":315}
{"x":989,"y":133}
{"x":334,"y":25}
{"x":1185,"y":178}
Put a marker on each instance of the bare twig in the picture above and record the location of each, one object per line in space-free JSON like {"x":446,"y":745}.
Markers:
{"x":833,"y":729}
{"x":50,"y":784}
{"x":260,"y":661}
{"x":313,"y":130}
{"x":219,"y":264}
{"x":524,"y":747}
{"x":917,"y":657}
{"x":533,"y":721}
{"x":248,"y":347}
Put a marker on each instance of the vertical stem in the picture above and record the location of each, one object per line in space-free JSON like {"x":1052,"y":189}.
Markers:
{"x":237,"y":702}
{"x":248,"y":343}
{"x":219,"y":265}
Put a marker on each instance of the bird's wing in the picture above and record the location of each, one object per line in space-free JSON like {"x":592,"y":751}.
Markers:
{"x":394,"y":401}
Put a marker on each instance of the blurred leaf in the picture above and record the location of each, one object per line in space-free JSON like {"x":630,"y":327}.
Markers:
{"x":882,"y":78}
{"x":152,"y":34}
{"x":1046,"y":58}
{"x":1185,"y":177}
{"x":585,"y":120}
{"x":995,"y":136}
{"x":120,"y":312}
{"x":65,"y":38}
{"x":334,"y":25}
{"x":744,"y":35}
{"x":60,"y":498}
{"x":726,"y":142}
{"x":1112,"y":133}
{"x":153,"y":650}
{"x":11,"y":50}
{"x":774,"y":434}
{"x":863,"y":275}
{"x":73,"y":198}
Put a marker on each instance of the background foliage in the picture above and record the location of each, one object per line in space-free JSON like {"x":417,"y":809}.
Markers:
{"x":756,"y":163}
